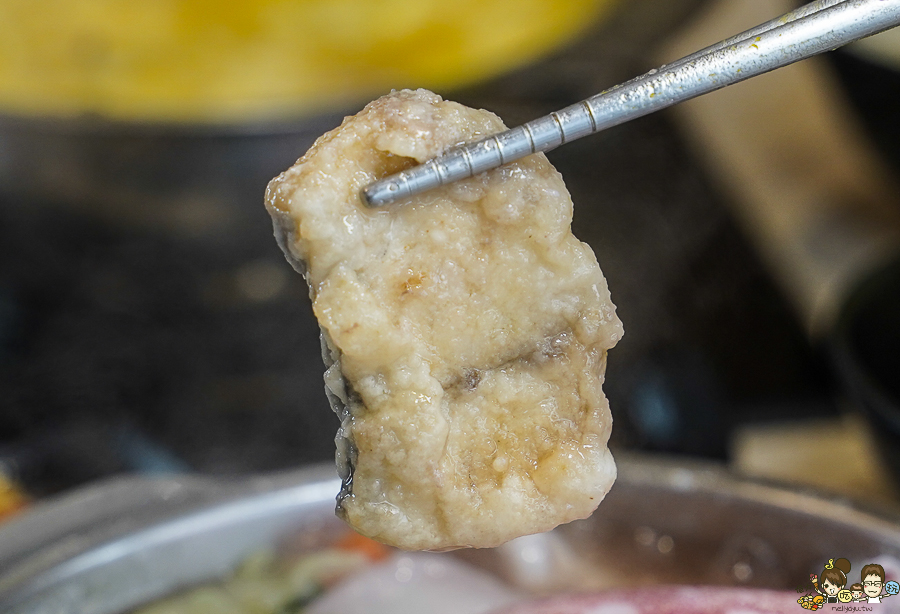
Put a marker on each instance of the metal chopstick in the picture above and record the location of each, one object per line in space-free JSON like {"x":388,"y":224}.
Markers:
{"x":814,"y":28}
{"x":800,"y":13}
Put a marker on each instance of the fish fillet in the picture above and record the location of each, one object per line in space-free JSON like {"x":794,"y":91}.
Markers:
{"x":465,"y":331}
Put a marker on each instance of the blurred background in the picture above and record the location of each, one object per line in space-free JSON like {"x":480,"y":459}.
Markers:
{"x":149,"y":322}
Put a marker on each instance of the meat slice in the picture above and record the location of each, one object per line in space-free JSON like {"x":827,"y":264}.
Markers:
{"x":465,"y":330}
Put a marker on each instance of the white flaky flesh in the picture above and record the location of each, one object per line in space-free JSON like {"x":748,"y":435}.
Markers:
{"x":466,"y":328}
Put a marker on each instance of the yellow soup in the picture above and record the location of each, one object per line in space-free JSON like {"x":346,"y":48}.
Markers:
{"x":234,"y":60}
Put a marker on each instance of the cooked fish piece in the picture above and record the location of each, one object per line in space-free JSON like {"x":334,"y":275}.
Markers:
{"x":466,"y":332}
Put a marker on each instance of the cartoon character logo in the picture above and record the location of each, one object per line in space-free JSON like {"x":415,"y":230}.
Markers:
{"x":832,"y":580}
{"x":874,"y":585}
{"x":830,"y":585}
{"x":811,"y":602}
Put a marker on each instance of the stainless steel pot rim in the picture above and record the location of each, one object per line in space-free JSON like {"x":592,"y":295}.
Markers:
{"x":92,"y":528}
{"x":191,"y":499}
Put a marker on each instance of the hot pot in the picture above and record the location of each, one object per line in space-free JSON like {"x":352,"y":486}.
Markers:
{"x":119,"y":544}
